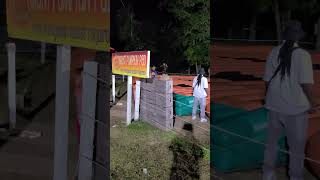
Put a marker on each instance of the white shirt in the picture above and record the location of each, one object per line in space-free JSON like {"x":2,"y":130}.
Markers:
{"x":288,"y":97}
{"x":199,"y":91}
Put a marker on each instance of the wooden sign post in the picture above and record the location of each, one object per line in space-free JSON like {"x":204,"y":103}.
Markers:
{"x":62,"y":113}
{"x":11,"y":48}
{"x":131,"y":64}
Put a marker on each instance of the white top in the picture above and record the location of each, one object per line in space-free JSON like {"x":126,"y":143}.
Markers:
{"x":199,"y":91}
{"x":288,"y":97}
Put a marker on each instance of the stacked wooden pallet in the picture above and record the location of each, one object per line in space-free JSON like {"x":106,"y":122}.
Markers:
{"x":249,"y":94}
{"x":182,"y":85}
{"x":156,"y":103}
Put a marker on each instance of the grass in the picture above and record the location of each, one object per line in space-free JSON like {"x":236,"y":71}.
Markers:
{"x":140,"y":146}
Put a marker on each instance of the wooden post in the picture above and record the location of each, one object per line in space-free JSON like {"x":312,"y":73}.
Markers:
{"x":87,"y":120}
{"x":11,"y":48}
{"x":129,"y":99}
{"x":62,"y":113}
{"x":102,"y":142}
{"x":137,"y":101}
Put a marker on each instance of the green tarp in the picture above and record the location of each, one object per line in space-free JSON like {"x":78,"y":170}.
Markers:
{"x":231,"y":152}
{"x":183,"y":105}
{"x":242,"y":156}
{"x":248,"y":124}
{"x":220,"y":112}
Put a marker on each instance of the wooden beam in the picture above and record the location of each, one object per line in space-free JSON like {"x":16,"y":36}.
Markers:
{"x":102,"y":142}
{"x":62,"y":113}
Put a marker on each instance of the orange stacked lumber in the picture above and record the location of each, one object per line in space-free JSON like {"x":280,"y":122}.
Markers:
{"x":230,"y":93}
{"x":312,"y":151}
{"x":249,"y":94}
{"x":313,"y":127}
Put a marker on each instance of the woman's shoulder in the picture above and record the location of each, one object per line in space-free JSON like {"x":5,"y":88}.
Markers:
{"x":203,"y":77}
{"x":303,"y":52}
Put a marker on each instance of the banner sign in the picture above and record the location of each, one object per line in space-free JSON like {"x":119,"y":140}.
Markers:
{"x":134,"y":63}
{"x":78,"y":23}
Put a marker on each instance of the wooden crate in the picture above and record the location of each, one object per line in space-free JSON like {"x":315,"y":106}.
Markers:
{"x":163,"y":87}
{"x":164,"y":101}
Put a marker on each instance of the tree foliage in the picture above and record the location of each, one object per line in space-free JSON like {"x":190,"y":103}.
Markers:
{"x":128,"y":29}
{"x":193,"y":19}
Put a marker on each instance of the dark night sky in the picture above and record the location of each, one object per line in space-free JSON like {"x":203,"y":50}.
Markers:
{"x":152,"y":19}
{"x":2,"y":14}
{"x":237,"y":17}
{"x":146,"y":11}
{"x":2,"y":11}
{"x":3,"y":32}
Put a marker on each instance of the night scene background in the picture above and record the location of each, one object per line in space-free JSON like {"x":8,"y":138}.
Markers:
{"x":243,"y":34}
{"x":262,"y":19}
{"x":176,"y":32}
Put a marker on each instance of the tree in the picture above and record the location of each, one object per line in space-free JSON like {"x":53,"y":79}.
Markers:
{"x":256,"y":7}
{"x":193,"y":19}
{"x":276,"y":11}
{"x":283,"y":10}
{"x":128,"y":28}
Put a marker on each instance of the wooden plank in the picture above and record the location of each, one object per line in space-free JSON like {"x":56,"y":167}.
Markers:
{"x":62,"y":113}
{"x":87,"y":120}
{"x":102,"y":153}
{"x":11,"y":47}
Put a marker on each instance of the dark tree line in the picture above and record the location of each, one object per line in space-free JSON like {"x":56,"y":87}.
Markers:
{"x":264,"y":19}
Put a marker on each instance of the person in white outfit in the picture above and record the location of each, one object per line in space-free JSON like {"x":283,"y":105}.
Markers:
{"x":289,"y":78}
{"x":200,"y":92}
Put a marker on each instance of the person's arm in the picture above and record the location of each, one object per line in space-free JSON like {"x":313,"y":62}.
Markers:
{"x":269,"y":70}
{"x":207,"y":91}
{"x":307,"y":89}
{"x":306,"y":79}
{"x":206,"y":85}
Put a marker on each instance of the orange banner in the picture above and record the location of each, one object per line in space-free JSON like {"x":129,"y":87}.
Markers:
{"x":79,"y":23}
{"x":134,"y":64}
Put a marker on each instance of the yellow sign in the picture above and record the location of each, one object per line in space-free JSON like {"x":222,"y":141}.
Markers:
{"x":134,"y":64}
{"x":78,"y":23}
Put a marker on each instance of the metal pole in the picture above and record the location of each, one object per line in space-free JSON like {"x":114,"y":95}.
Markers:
{"x":137,"y":101}
{"x":129,"y":99}
{"x":113,"y":88}
{"x":11,"y":48}
{"x":88,"y":111}
{"x":62,"y":113}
